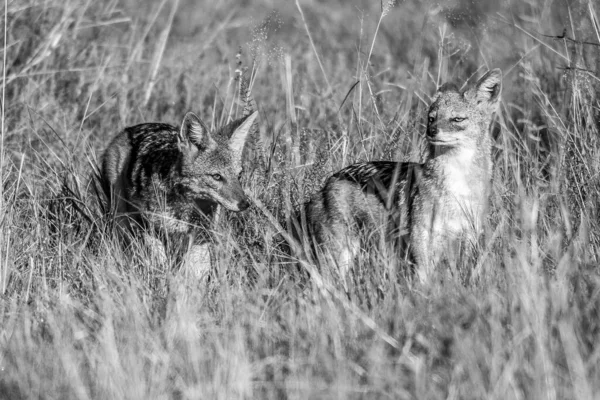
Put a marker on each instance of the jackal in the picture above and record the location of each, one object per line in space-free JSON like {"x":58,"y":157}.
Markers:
{"x":435,"y":209}
{"x":171,"y":181}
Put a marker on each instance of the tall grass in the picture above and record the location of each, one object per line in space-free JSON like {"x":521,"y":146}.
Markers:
{"x":335,"y":82}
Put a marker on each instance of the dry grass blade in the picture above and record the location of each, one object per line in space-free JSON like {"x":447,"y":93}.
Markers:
{"x":314,"y":48}
{"x":159,"y":52}
{"x":4,"y":234}
{"x":574,"y":361}
{"x":347,"y":95}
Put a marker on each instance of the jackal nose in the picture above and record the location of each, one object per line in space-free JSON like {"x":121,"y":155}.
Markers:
{"x":243,"y":204}
{"x":431,"y":130}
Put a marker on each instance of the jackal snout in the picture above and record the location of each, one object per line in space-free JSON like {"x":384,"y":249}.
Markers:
{"x":431,"y":128}
{"x":243,"y":204}
{"x":232,"y":196}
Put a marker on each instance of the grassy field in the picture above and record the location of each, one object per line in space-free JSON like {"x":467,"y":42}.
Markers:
{"x":335,"y":82}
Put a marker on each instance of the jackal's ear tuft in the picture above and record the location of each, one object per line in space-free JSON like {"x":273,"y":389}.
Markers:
{"x":194,"y":131}
{"x":239,"y":136}
{"x":488,"y":88}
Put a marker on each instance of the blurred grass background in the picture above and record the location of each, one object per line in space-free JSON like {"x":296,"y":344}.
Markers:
{"x":335,"y":82}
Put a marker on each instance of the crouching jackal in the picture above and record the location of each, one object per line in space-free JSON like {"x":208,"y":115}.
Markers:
{"x":438,"y":207}
{"x":168,"y":182}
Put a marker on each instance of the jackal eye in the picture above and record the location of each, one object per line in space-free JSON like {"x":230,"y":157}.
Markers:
{"x":217,"y":177}
{"x":458,"y":119}
{"x":431,"y":120}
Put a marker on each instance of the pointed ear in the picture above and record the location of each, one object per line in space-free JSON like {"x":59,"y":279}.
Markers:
{"x":239,"y":136}
{"x":194,"y":131}
{"x":488,"y":88}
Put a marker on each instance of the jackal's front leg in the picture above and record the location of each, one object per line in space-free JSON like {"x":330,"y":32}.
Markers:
{"x":156,"y":248}
{"x":420,"y":248}
{"x":197,"y":261}
{"x":341,"y":251}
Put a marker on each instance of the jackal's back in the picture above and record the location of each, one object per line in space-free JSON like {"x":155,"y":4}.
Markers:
{"x":134,"y":157}
{"x":373,"y":196}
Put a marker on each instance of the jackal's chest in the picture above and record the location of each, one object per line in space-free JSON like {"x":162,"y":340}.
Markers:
{"x":177,"y":215}
{"x":456,"y":200}
{"x":446,"y":215}
{"x":455,"y":218}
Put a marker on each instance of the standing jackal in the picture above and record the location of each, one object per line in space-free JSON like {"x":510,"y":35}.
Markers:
{"x":438,"y":207}
{"x":170,"y":181}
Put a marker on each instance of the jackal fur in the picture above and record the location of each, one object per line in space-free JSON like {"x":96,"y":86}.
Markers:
{"x":169,"y":182}
{"x":435,"y":209}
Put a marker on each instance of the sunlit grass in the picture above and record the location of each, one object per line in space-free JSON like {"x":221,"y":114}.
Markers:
{"x":85,"y":317}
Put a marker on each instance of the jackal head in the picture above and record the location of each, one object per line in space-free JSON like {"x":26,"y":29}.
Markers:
{"x":462,"y":118}
{"x":212,"y":162}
